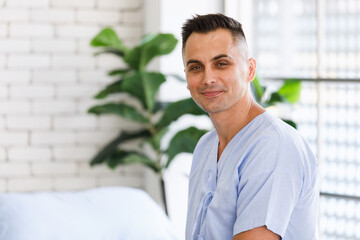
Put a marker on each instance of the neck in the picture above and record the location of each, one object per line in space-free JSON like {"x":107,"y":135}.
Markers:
{"x":229,"y":122}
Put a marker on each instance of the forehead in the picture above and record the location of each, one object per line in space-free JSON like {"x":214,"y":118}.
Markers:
{"x":200,"y":45}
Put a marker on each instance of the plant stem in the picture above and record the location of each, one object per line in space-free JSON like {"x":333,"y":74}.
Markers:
{"x":153,"y":131}
{"x":164,"y":195}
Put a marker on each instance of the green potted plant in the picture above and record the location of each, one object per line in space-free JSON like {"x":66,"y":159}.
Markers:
{"x":154,"y":116}
{"x":288,"y":93}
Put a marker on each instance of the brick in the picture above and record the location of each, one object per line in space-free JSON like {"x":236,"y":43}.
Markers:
{"x":30,"y":184}
{"x":95,"y":137}
{"x":3,"y":185}
{"x":98,"y":16}
{"x":14,"y":46}
{"x":77,"y":31}
{"x":14,"y":169}
{"x":2,"y":154}
{"x":135,"y":17}
{"x":84,"y":47}
{"x":2,"y":61}
{"x":53,"y":169}
{"x":83,"y":154}
{"x":73,"y":61}
{"x":53,"y":107}
{"x":54,"y":46}
{"x":14,"y":107}
{"x":26,"y":3}
{"x":18,"y":76}
{"x":130,"y":181}
{"x":129,"y":32}
{"x":77,"y":122}
{"x":95,"y":76}
{"x":109,"y":62}
{"x":31,"y":30}
{"x":84,"y":105}
{"x":77,"y":91}
{"x":30,"y":154}
{"x":31,"y":91}
{"x":85,"y":170}
{"x":3,"y":30}
{"x":116,"y":4}
{"x":2,"y":123}
{"x":52,"y":138}
{"x":52,"y":15}
{"x":3,"y":91}
{"x":73,"y":3}
{"x":29,"y":61}
{"x":27,"y":123}
{"x":13,"y":15}
{"x":75,"y":183}
{"x":54,"y":76}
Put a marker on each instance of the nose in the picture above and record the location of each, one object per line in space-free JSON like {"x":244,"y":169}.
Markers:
{"x":209,"y":77}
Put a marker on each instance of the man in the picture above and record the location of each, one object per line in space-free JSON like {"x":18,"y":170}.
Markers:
{"x":253,"y":177}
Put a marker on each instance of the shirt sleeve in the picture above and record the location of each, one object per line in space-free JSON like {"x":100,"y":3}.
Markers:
{"x":270,"y":183}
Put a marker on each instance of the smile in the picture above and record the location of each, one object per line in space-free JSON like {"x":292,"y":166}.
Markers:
{"x":211,"y":94}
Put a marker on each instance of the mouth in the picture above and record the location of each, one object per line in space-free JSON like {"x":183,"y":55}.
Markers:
{"x":211,"y":94}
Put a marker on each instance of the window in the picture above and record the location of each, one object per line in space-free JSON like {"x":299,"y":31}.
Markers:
{"x":318,"y":42}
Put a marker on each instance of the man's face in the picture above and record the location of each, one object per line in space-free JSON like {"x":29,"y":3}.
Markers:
{"x":217,"y":70}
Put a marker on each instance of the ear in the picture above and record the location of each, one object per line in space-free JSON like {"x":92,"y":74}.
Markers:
{"x":252,"y":69}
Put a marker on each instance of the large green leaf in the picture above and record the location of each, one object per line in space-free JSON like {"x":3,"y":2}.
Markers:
{"x":290,"y":122}
{"x":139,"y":57}
{"x":121,"y":109}
{"x":275,"y":97}
{"x":143,"y":86}
{"x":176,"y":109}
{"x":118,"y":72}
{"x":258,"y":89}
{"x":124,"y":157}
{"x":114,"y":87}
{"x":291,"y":90}
{"x":108,"y":38}
{"x":112,"y":146}
{"x":111,"y":50}
{"x":183,"y":141}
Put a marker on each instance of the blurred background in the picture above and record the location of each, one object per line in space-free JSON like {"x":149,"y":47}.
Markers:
{"x":49,"y":75}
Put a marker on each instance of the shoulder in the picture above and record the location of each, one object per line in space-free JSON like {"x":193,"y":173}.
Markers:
{"x":203,"y":149}
{"x":205,"y":141}
{"x":272,"y":143}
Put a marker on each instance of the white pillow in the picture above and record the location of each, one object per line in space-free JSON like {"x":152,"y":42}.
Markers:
{"x":110,"y":213}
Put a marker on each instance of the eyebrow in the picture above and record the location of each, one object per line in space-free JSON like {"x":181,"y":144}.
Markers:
{"x":213,"y":59}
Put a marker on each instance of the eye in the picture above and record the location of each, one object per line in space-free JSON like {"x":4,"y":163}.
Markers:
{"x":222,"y":64}
{"x":195,"y":68}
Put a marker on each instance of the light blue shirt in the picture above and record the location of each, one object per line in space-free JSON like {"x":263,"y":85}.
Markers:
{"x":266,"y":175}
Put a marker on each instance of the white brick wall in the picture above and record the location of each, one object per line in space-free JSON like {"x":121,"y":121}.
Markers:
{"x":31,"y":30}
{"x":3,"y":30}
{"x":28,"y":61}
{"x":18,"y":76}
{"x":54,"y":46}
{"x":48,"y":78}
{"x":13,"y":46}
{"x":26,"y":3}
{"x":35,"y":154}
{"x":28,"y":123}
{"x":2,"y":154}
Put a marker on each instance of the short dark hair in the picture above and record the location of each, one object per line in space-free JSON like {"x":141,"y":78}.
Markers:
{"x":211,"y":22}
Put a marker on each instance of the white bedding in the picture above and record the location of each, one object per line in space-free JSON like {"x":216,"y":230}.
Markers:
{"x":99,"y":214}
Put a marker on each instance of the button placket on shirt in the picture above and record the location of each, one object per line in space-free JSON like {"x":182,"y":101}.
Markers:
{"x":211,"y":184}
